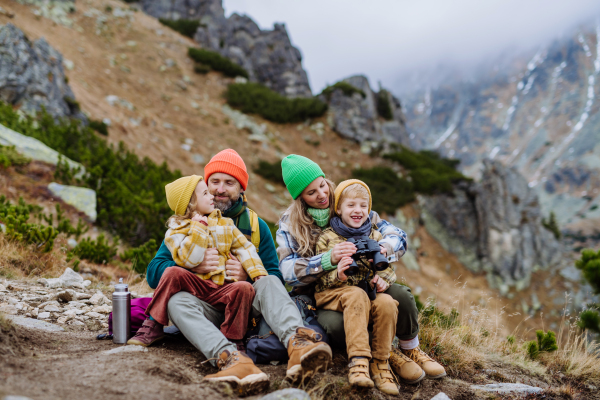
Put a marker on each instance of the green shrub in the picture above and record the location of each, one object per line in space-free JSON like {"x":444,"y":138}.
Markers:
{"x":389,"y":192}
{"x":270,"y":171}
{"x":589,"y":264}
{"x":9,"y":157}
{"x":254,"y":98}
{"x":202,"y":69}
{"x":98,"y":251}
{"x":99,"y":126}
{"x":429,"y":172}
{"x":130,"y":191}
{"x":552,"y":225}
{"x":187,"y":27}
{"x":345,"y":87}
{"x":433,"y":316}
{"x":384,"y":108}
{"x":141,"y":255}
{"x":63,"y":225}
{"x":546,"y":343}
{"x":511,"y":339}
{"x":589,"y":319}
{"x":217,"y":62}
{"x":15,"y":218}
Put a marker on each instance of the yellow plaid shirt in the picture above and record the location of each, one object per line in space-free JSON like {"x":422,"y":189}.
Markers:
{"x":328,"y":239}
{"x":188,"y":240}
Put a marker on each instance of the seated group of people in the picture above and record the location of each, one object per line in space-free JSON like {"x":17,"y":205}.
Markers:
{"x":218,"y":266}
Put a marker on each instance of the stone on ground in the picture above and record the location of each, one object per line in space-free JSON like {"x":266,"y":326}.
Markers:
{"x":441,"y":396}
{"x":83,"y":199}
{"x":507,"y":388}
{"x":125,"y":349}
{"x":35,"y":323}
{"x":287,"y":394}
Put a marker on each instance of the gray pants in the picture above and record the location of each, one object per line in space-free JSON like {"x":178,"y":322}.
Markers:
{"x":199,"y":321}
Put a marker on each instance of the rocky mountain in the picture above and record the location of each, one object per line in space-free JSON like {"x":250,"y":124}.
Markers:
{"x":538,"y":113}
{"x":356,"y":116}
{"x":267,"y":55}
{"x":494,"y":226}
{"x":32,"y":75}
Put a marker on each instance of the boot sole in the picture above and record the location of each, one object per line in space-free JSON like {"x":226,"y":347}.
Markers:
{"x":247,"y":386}
{"x":419,"y":379}
{"x":436,"y":376}
{"x":138,"y":343}
{"x":315,"y":361}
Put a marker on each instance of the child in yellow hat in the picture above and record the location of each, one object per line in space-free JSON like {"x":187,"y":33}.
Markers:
{"x":196,"y":226}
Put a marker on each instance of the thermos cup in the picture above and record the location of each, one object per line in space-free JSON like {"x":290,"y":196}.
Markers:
{"x":121,"y":313}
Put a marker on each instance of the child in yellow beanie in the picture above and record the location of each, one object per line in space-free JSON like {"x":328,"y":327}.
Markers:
{"x":338,"y":292}
{"x":196,"y":226}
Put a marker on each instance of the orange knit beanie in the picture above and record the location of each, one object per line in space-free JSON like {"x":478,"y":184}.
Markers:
{"x":228,"y":162}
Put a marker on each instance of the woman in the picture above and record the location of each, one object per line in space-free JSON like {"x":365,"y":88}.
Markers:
{"x":300,"y":227}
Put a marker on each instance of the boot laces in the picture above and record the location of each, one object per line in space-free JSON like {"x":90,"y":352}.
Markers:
{"x":224,"y":364}
{"x":303,"y":339}
{"x":417,"y":353}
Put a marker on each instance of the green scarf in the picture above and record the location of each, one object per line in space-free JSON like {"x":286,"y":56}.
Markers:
{"x":240,"y":216}
{"x":320,"y":215}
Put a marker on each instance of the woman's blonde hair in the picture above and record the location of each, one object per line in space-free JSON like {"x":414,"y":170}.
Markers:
{"x":189,"y":212}
{"x":302,"y":226}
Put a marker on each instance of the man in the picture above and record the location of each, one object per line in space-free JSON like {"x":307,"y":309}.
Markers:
{"x":227,"y":179}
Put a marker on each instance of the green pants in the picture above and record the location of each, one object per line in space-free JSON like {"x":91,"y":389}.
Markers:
{"x":406,"y":328}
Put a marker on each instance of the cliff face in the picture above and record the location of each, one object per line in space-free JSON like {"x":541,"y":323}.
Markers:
{"x":268,"y":56}
{"x":32,"y":75}
{"x":355,"y":117}
{"x":538,"y":113}
{"x":494,"y":226}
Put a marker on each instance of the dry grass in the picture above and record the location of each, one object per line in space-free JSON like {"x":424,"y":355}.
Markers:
{"x":18,"y":260}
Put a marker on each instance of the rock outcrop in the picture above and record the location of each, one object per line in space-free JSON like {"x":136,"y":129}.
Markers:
{"x":355,"y":117}
{"x":32,"y":75}
{"x":268,"y":56}
{"x":494,"y":226}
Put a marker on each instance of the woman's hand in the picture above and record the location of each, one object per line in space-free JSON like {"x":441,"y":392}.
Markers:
{"x":382,"y":285}
{"x":341,"y":250}
{"x":383,"y":250}
{"x":342,"y":266}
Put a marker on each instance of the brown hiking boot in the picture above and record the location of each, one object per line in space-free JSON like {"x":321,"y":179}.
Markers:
{"x":150,"y":332}
{"x":408,"y":370}
{"x":359,"y":373}
{"x":238,"y":370}
{"x":383,"y":378}
{"x":431,"y":367}
{"x":308,"y":355}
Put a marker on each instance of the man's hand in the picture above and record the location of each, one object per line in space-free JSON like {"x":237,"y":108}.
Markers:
{"x":209,"y":264}
{"x":235,"y":270}
{"x":342,"y":266}
{"x":341,"y":250}
{"x":382,"y":285}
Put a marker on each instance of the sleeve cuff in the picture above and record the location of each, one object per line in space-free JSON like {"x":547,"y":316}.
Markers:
{"x":326,"y":261}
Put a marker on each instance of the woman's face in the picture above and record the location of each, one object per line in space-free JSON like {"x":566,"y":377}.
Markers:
{"x":204,"y":200}
{"x":316,"y":195}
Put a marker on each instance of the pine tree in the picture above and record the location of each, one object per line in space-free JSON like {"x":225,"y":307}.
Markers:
{"x":589,"y":264}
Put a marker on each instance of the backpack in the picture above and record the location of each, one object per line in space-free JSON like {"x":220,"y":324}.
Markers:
{"x":263,"y":346}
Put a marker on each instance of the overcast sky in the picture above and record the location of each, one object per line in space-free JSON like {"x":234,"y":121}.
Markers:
{"x":387,"y":39}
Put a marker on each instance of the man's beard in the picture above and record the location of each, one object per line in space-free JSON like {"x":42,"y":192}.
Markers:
{"x":224,"y":205}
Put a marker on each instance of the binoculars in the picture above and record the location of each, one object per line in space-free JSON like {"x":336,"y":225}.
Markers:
{"x":369,"y":248}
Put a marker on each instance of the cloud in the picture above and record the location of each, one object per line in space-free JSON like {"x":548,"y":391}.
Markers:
{"x":390,"y":39}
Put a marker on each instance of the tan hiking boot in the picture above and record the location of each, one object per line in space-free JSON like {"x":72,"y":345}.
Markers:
{"x":431,"y":367}
{"x":382,"y":376}
{"x":359,"y":373}
{"x":408,"y":370}
{"x":238,"y":370}
{"x":308,"y":356}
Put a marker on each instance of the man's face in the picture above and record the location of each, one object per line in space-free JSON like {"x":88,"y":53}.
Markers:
{"x":225,"y":188}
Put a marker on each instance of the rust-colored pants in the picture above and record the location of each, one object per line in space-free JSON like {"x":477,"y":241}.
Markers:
{"x":358,"y":311}
{"x":233,"y":299}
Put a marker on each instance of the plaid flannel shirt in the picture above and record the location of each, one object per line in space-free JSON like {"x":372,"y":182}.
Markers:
{"x":328,"y":239}
{"x":187,"y":241}
{"x":301,"y":271}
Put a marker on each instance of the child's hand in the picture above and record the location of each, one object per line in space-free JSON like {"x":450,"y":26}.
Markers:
{"x":342,"y":266}
{"x":383,"y":251}
{"x":200,"y":218}
{"x":258,"y":277}
{"x":382,"y":285}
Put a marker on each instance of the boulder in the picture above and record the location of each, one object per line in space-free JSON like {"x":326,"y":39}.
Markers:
{"x":36,"y":150}
{"x":35,"y":323}
{"x":494,"y":226}
{"x":32,"y":75}
{"x":83,"y":199}
{"x":69,"y":278}
{"x":355,"y":117}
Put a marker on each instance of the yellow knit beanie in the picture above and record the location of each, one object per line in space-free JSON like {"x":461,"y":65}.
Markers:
{"x":180,"y":192}
{"x":343,"y":185}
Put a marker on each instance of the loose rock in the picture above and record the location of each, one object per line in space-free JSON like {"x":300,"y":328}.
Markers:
{"x":67,"y":296}
{"x":127,"y":349}
{"x":287,"y":394}
{"x":441,"y":396}
{"x":507,"y":388}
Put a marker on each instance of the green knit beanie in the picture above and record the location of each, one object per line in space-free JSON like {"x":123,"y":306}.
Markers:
{"x":299,"y":172}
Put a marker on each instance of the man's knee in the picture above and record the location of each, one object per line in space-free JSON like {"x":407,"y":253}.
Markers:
{"x":403,"y":295}
{"x":181,"y":301}
{"x":267,"y":281}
